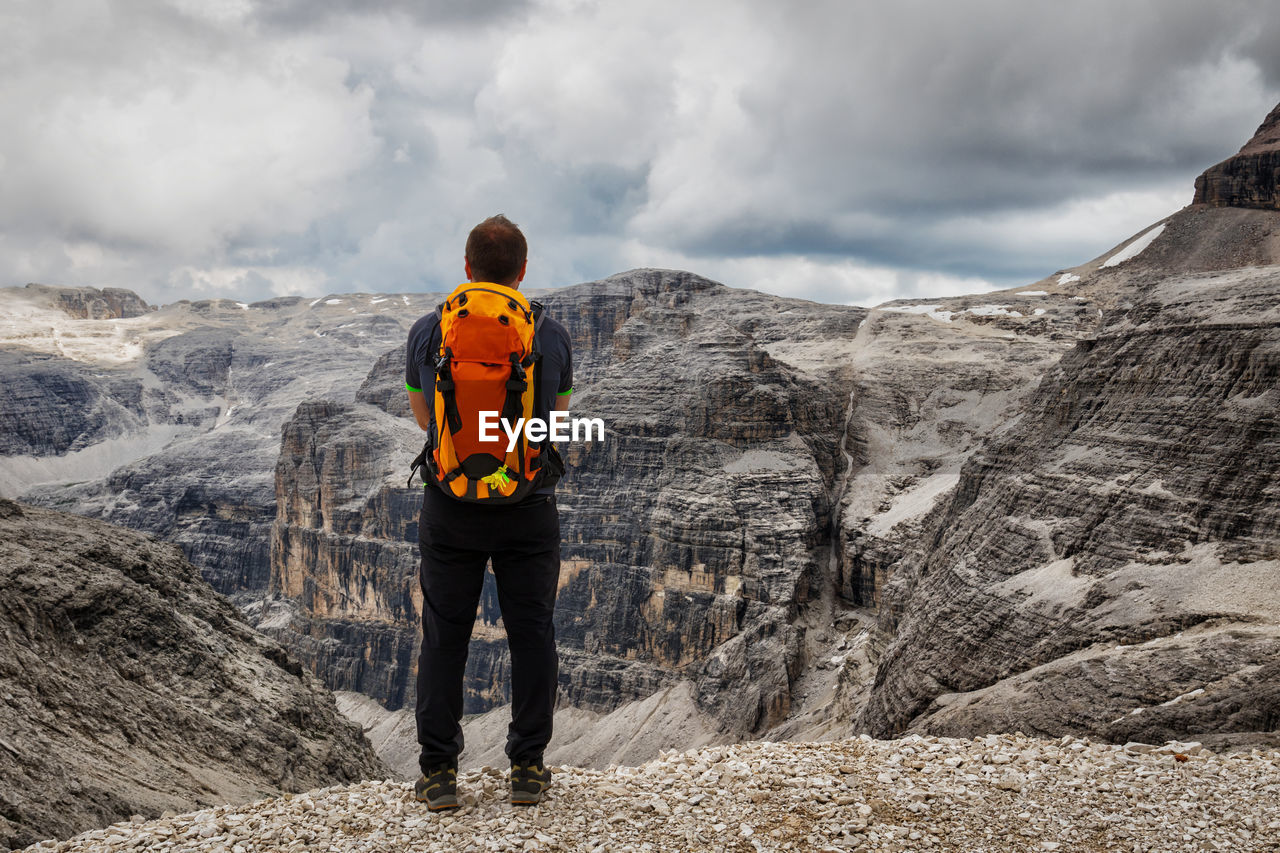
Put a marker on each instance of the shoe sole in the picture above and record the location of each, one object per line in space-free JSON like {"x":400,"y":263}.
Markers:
{"x":528,"y":798}
{"x":440,"y":804}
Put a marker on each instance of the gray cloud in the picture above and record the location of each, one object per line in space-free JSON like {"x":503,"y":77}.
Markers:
{"x":845,"y":151}
{"x":290,"y":15}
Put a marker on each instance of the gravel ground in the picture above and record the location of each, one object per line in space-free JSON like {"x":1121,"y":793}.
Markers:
{"x":1000,"y":792}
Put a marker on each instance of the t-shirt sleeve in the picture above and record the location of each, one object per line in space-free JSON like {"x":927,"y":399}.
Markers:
{"x":419,"y":336}
{"x":566,"y":375}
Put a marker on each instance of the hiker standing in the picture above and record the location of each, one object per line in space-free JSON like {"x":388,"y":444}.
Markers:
{"x":486,"y":351}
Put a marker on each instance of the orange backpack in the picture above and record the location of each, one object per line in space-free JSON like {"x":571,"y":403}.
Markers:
{"x":487,"y":363}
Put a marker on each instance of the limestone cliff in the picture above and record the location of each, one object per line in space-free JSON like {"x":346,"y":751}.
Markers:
{"x":169,"y":421}
{"x":1106,"y":563}
{"x":981,"y":512}
{"x":90,"y":303}
{"x":699,"y":535}
{"x":130,"y":687}
{"x":692,"y":534}
{"x":1249,"y":179}
{"x":1109,"y":564}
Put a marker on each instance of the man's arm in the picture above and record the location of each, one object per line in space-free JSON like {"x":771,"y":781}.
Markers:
{"x":421,"y":411}
{"x":565,"y":388}
{"x":417,"y":381}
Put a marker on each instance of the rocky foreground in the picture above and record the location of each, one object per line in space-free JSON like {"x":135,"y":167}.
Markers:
{"x":1000,"y":792}
{"x":128,"y":686}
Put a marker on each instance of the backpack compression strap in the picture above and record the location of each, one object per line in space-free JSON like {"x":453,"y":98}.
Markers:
{"x":444,"y":384}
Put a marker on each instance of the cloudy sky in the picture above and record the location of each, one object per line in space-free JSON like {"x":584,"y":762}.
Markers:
{"x":841,"y":151}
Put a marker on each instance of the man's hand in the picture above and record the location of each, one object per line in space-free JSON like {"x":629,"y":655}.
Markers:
{"x":421,"y":411}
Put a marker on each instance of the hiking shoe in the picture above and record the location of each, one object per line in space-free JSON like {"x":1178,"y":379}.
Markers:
{"x":439,"y":789}
{"x":528,"y":781}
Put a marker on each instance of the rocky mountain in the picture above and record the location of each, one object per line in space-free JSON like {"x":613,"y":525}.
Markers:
{"x":131,"y":688}
{"x":698,"y":537}
{"x":169,"y":421}
{"x":999,"y":792}
{"x":90,"y":303}
{"x":1249,"y":179}
{"x":1107,"y":563}
{"x":1050,"y":508}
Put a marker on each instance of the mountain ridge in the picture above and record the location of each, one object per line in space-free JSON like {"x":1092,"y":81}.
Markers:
{"x":1048,"y":509}
{"x":130,"y":687}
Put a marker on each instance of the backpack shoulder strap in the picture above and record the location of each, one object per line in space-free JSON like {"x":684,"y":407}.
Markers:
{"x":539,"y":314}
{"x":444,"y":377}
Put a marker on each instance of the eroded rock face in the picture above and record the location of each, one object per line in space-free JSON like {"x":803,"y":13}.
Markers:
{"x":90,"y":303}
{"x":1249,"y":179}
{"x":169,"y":422}
{"x":130,"y":687}
{"x":1132,"y":504}
{"x":345,"y":549}
{"x":50,"y":407}
{"x":692,"y":534}
{"x":807,"y":518}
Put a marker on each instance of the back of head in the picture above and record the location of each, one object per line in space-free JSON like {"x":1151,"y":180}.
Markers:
{"x":496,"y":251}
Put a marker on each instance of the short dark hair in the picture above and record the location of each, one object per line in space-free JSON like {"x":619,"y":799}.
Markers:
{"x":496,"y":250}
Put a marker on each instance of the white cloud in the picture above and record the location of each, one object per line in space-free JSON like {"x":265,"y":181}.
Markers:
{"x":584,"y":84}
{"x":184,"y":159}
{"x":851,"y":152}
{"x":1080,"y":228}
{"x":206,"y":282}
{"x":844,"y":281}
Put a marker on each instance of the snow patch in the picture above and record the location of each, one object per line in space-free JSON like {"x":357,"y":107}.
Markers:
{"x":377,"y":299}
{"x":244,"y":305}
{"x":1137,"y":247}
{"x":49,"y":330}
{"x":1177,"y":700}
{"x":1038,"y":312}
{"x":1067,"y":278}
{"x":333,"y":302}
{"x":928,"y":310}
{"x":993,"y":311}
{"x":1034,"y":293}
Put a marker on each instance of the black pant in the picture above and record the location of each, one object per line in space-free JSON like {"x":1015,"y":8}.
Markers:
{"x":456,"y":540}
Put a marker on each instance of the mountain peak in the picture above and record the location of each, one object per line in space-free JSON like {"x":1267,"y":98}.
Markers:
{"x":1249,"y":179}
{"x":1267,"y":136}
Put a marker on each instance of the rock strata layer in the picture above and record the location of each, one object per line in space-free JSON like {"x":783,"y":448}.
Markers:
{"x":131,"y":687}
{"x":136,"y":419}
{"x":90,"y":303}
{"x":1109,"y":564}
{"x":1249,"y":179}
{"x":692,"y":534}
{"x":1049,"y":508}
{"x":997,"y":793}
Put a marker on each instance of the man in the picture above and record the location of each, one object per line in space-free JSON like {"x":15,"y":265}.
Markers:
{"x":456,"y":540}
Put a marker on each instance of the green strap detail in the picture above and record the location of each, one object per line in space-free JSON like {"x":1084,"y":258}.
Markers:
{"x":564,"y":393}
{"x":409,"y":387}
{"x":497,"y":478}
